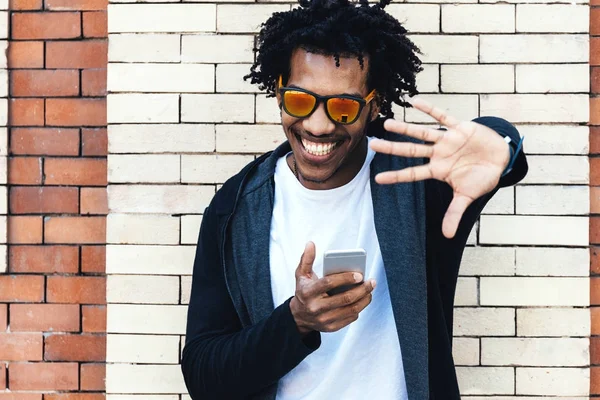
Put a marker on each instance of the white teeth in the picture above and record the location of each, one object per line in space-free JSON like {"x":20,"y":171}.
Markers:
{"x":318,"y":149}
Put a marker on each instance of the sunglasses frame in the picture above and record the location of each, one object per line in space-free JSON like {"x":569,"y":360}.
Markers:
{"x":361,"y":101}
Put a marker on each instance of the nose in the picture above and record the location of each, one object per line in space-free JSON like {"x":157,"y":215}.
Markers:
{"x":318,"y":123}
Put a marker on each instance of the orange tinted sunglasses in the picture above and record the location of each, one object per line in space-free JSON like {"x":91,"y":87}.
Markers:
{"x":341,"y":109}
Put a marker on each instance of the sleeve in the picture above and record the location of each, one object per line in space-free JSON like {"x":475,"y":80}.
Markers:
{"x":221,"y":359}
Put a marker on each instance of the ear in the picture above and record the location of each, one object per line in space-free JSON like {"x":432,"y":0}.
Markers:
{"x":374,"y":110}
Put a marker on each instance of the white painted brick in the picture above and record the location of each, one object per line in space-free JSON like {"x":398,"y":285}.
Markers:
{"x":478,"y":18}
{"x":503,"y":202}
{"x":472,"y":239}
{"x":142,"y":289}
{"x":478,"y":78}
{"x":534,"y":48}
{"x":217,"y":48}
{"x":249,"y":138}
{"x":161,"y":78}
{"x":3,"y":107}
{"x":534,"y":230}
{"x":190,"y":228}
{"x":3,"y":256}
{"x":211,"y":168}
{"x":486,"y":380}
{"x":163,"y":199}
{"x":464,"y":107}
{"x":141,"y":396}
{"x":186,"y":289}
{"x":447,"y":49}
{"x":521,"y":291}
{"x":153,"y":379}
{"x":553,"y":322}
{"x":142,"y":229}
{"x":150,"y":260}
{"x":557,"y":169}
{"x":553,"y":18}
{"x":553,"y":78}
{"x":144,"y":168}
{"x":148,"y":47}
{"x":537,"y":107}
{"x":4,"y":5}
{"x":243,"y":18}
{"x":4,"y":83}
{"x":3,"y":137}
{"x":556,"y":200}
{"x":162,"y":18}
{"x":466,"y":292}
{"x":136,"y":318}
{"x":483,"y":261}
{"x":553,"y":381}
{"x":552,"y":261}
{"x":3,"y":60}
{"x":416,"y":18}
{"x":428,"y":80}
{"x":538,"y":352}
{"x":555,"y":139}
{"x":3,"y":235}
{"x":217,"y":108}
{"x":142,"y":108}
{"x":267,"y":110}
{"x":484,"y":321}
{"x":465,"y":351}
{"x":161,"y":138}
{"x":3,"y":199}
{"x":230,"y":79}
{"x":134,"y":349}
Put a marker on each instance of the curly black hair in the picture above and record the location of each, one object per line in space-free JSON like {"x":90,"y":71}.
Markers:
{"x":342,"y":29}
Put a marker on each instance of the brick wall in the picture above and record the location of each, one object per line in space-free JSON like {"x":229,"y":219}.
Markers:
{"x":52,"y":340}
{"x":181,"y":121}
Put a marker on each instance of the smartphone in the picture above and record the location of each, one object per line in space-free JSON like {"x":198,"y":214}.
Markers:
{"x":351,"y":260}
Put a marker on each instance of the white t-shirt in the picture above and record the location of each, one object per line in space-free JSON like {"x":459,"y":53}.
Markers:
{"x":362,"y":360}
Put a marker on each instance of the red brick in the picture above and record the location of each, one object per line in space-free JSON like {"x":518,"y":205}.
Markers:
{"x":75,"y":348}
{"x":76,"y":289}
{"x":24,"y":5}
{"x":82,"y":230}
{"x":594,"y":140}
{"x":93,"y":82}
{"x":43,"y":200}
{"x":2,"y":377}
{"x":75,"y":171}
{"x":76,"y":112}
{"x":595,"y":80}
{"x":43,"y":376}
{"x":26,"y":112}
{"x":93,"y":259}
{"x":594,"y":171}
{"x":25,"y":170}
{"x":95,"y":24}
{"x":75,"y":396}
{"x":93,"y":319}
{"x":24,"y":230}
{"x":594,"y":51}
{"x":26,"y":54}
{"x":46,"y":25}
{"x":43,"y":259}
{"x":94,"y":201}
{"x":21,"y":289}
{"x":68,"y":5}
{"x":44,"y":317}
{"x":44,"y":141}
{"x":3,"y":317}
{"x":20,"y":396}
{"x":94,"y":142}
{"x":595,"y":291}
{"x":78,"y":54}
{"x":594,"y":21}
{"x":595,"y":110}
{"x":595,"y":380}
{"x":595,"y":200}
{"x":21,"y":346}
{"x":594,"y":230}
{"x":595,"y":315}
{"x":595,"y":350}
{"x":93,"y":377}
{"x":595,"y":260}
{"x":44,"y":83}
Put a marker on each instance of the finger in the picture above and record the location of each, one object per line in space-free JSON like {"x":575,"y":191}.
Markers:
{"x":306,"y":261}
{"x":332,"y":281}
{"x":337,"y":325}
{"x":349,"y":297}
{"x":403,"y":149}
{"x":420,"y":132}
{"x":411,"y":174}
{"x":455,"y":211}
{"x":340,"y":317}
{"x":436,"y":113}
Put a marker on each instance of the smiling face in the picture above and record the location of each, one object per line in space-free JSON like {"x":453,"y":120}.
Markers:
{"x":328,"y":155}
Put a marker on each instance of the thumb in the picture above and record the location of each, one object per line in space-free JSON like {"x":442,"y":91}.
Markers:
{"x":307,"y":260}
{"x":454,"y":214}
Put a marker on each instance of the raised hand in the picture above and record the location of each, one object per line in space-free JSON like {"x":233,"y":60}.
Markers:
{"x":468,"y":156}
{"x":314,"y":310}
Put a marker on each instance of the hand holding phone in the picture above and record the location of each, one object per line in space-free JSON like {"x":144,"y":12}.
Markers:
{"x":338,"y":261}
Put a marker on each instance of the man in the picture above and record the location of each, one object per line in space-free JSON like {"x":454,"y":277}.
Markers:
{"x":261,"y":324}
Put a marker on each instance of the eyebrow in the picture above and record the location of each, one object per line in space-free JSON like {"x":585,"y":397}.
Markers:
{"x":355,"y":94}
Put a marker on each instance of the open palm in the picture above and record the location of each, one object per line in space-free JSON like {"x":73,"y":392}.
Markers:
{"x":470,"y":157}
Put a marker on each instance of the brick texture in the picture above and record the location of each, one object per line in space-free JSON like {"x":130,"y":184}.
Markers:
{"x":53,"y":293}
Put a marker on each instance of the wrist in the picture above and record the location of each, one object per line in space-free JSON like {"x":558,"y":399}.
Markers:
{"x":294,"y":309}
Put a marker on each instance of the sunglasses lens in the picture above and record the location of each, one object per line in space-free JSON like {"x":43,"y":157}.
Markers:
{"x":298,"y":104}
{"x":343,"y":111}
